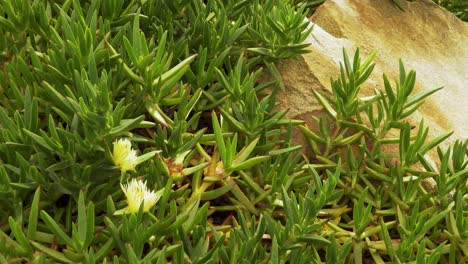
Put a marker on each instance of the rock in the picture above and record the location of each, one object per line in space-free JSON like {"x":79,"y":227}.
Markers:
{"x":429,"y":40}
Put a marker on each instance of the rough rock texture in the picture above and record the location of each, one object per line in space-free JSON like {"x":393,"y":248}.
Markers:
{"x":428,"y":39}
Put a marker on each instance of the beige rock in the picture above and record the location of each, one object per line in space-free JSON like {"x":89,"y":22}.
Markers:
{"x":428,"y":39}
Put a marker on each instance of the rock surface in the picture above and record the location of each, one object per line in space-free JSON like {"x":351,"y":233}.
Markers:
{"x":428,"y":39}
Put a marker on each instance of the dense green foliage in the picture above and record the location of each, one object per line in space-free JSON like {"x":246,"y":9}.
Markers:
{"x":179,"y":79}
{"x":458,"y":7}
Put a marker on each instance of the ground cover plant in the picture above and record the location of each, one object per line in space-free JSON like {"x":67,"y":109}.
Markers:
{"x":137,"y":132}
{"x":458,"y":7}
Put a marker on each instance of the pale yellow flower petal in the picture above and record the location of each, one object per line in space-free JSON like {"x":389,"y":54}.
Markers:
{"x":123,"y":155}
{"x":136,"y":193}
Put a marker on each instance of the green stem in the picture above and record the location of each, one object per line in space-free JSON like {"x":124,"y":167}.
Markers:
{"x":357,"y":252}
{"x":153,"y":217}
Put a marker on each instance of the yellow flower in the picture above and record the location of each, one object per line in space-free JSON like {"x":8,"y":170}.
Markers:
{"x":136,"y":193}
{"x":123,"y":155}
